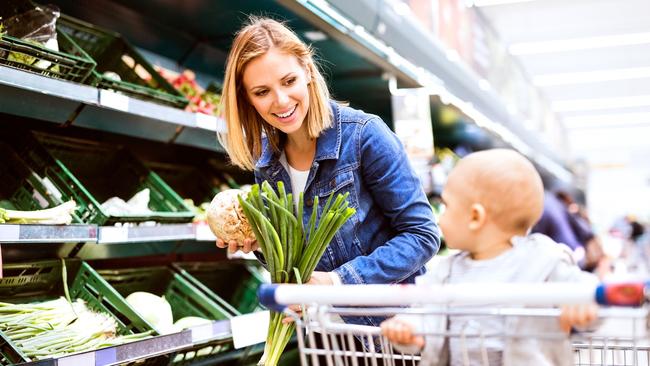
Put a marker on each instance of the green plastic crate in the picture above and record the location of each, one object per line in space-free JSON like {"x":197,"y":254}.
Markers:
{"x":42,"y":280}
{"x":235,"y":282}
{"x":198,"y":184}
{"x":184,"y":298}
{"x":91,"y":172}
{"x":113,"y":53}
{"x":70,"y":63}
{"x":21,"y":189}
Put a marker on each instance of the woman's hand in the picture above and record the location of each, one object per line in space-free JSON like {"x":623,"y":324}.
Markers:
{"x":320,"y":278}
{"x":247,"y":246}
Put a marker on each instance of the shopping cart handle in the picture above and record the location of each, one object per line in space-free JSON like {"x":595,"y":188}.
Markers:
{"x":266,"y":295}
{"x":622,"y":294}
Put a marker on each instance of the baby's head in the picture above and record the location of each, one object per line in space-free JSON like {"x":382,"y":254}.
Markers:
{"x":490,"y":196}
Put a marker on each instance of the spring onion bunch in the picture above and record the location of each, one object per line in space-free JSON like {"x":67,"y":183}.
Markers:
{"x":55,"y":328}
{"x":291,"y":249}
{"x":59,"y":215}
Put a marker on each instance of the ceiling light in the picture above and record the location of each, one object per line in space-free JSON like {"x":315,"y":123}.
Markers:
{"x":565,"y":45}
{"x":591,"y":76}
{"x":315,"y":36}
{"x":601,"y":103}
{"x":482,"y":3}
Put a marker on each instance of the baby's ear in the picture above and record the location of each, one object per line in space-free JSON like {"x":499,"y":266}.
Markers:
{"x":477,"y":216}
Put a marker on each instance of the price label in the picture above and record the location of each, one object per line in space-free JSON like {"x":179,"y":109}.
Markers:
{"x":109,"y":234}
{"x":206,"y":121}
{"x":9,"y":233}
{"x":76,"y":360}
{"x":114,"y":100}
{"x":203,"y":233}
{"x":250,"y":329}
{"x":201,"y":332}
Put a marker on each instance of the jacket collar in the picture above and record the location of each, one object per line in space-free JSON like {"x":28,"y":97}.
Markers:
{"x":328,"y":144}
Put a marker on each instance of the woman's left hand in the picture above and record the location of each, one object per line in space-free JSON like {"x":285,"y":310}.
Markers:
{"x":320,"y":278}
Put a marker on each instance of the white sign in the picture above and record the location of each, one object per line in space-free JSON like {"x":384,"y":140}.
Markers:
{"x":206,"y":121}
{"x":412,"y":121}
{"x":113,"y":100}
{"x":250,"y":329}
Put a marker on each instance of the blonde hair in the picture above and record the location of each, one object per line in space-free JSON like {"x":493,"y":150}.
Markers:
{"x":243,"y":139}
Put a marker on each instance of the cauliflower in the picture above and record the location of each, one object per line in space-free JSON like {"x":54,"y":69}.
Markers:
{"x":226,"y":217}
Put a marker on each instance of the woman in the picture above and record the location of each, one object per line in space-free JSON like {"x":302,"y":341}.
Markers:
{"x":282,"y":124}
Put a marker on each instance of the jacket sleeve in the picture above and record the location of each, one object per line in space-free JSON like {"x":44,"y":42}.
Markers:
{"x":395,"y":188}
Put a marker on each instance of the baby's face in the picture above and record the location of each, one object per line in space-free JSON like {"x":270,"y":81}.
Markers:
{"x":456,"y":217}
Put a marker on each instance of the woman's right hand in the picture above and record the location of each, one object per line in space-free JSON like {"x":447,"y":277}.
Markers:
{"x":247,"y":246}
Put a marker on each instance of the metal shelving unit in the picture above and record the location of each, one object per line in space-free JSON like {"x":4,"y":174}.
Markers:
{"x":39,"y":97}
{"x":93,"y":234}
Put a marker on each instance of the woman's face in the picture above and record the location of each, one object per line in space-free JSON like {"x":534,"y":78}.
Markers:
{"x":276,"y":86}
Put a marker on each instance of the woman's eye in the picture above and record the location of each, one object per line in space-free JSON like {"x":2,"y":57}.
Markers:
{"x":261,"y":93}
{"x":290,"y":81}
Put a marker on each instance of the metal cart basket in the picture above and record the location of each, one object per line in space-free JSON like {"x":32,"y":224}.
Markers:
{"x":478,"y":328}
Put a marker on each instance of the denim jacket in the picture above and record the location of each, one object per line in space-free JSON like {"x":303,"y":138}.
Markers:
{"x":393,"y":233}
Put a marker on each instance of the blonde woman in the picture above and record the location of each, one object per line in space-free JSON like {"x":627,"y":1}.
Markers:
{"x":282,"y":125}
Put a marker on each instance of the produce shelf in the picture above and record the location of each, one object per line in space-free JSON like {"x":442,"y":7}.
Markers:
{"x":185,"y":300}
{"x":135,"y":234}
{"x":36,"y":96}
{"x":43,"y":98}
{"x":10,"y":233}
{"x":43,"y":280}
{"x":124,"y":353}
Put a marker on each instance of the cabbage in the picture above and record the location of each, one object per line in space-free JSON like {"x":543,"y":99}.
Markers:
{"x":190,"y":321}
{"x":154,"y":309}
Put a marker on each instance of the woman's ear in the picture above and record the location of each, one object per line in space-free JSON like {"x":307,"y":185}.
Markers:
{"x":477,"y":218}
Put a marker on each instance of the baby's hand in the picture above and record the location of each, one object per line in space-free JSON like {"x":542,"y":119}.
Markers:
{"x":581,"y":315}
{"x":400,"y":332}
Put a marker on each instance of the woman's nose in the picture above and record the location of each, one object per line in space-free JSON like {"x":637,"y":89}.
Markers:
{"x":281,"y":98}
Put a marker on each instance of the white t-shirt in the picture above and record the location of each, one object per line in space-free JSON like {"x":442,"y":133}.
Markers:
{"x":298,"y":184}
{"x":298,"y":178}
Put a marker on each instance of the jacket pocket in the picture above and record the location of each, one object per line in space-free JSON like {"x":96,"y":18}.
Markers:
{"x":341,"y":181}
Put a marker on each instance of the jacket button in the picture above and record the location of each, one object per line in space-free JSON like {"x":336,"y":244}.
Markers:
{"x":310,"y":202}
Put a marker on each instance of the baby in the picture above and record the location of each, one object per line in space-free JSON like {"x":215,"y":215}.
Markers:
{"x":492,"y":200}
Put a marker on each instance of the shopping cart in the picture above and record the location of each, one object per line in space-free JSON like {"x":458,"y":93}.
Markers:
{"x":619,"y":338}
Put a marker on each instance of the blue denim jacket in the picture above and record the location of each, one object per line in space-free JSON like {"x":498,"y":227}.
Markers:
{"x":393,"y":233}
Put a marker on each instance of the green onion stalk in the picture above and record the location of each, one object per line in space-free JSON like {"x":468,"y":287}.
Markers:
{"x":291,"y":249}
{"x":59,"y":327}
